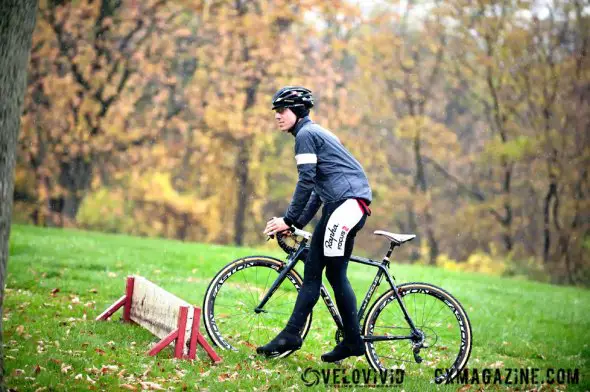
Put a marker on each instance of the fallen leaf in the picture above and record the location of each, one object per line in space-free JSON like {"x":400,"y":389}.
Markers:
{"x":54,"y":291}
{"x":78,"y":376}
{"x":108,"y":368}
{"x":99,"y":351}
{"x":94,"y":291}
{"x":65,"y":368}
{"x":248,"y":344}
{"x":92,"y":370}
{"x":121,"y":373}
{"x":152,"y":386}
{"x":223,"y":377}
{"x":90,"y":380}
{"x":18,"y":372}
{"x":129,"y":387}
{"x":37,"y":369}
{"x":20,"y":329}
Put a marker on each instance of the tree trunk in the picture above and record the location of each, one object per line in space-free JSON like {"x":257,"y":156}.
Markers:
{"x":420,"y":183}
{"x":75,"y":178}
{"x":17,"y":22}
{"x":242,"y":171}
{"x":546,"y":221}
{"x":507,"y":222}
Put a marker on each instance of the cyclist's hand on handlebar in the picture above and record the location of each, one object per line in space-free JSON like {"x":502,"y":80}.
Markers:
{"x":275,"y":225}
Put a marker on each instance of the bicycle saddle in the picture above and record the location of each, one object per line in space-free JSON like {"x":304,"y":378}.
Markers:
{"x":397,"y":238}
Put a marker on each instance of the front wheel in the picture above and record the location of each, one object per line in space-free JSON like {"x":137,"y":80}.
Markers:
{"x":234,"y":293}
{"x":442,"y":340}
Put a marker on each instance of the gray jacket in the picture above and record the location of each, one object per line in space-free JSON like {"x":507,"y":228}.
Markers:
{"x":327,"y":173}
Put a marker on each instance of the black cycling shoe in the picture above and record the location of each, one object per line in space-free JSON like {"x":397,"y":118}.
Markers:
{"x":344,"y":350}
{"x":282,"y":343}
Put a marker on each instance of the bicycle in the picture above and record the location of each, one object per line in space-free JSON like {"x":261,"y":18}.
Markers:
{"x":241,"y":311}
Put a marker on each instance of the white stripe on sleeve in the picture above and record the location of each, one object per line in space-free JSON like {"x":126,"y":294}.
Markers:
{"x":306,"y":158}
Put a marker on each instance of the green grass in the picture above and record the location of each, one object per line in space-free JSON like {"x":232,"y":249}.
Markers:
{"x":60,"y":280}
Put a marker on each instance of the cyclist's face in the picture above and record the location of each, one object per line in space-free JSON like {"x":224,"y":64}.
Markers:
{"x":285,"y":118}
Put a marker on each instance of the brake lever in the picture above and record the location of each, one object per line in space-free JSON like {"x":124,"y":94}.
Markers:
{"x":272,"y":236}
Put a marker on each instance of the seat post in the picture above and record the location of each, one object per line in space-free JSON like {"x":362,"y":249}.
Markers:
{"x":391,"y":246}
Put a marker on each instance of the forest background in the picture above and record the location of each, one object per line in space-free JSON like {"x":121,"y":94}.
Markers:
{"x":471,"y":119}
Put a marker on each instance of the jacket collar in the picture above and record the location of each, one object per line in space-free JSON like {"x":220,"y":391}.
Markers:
{"x":304,"y":120}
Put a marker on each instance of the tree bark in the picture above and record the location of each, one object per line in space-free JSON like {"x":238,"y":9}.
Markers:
{"x":242,"y":189}
{"x":17,"y":22}
{"x":551,"y":193}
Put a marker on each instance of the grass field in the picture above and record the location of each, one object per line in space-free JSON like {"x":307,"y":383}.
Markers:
{"x":60,"y":280}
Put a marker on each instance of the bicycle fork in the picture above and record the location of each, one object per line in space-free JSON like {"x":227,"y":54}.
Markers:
{"x":288,"y":267}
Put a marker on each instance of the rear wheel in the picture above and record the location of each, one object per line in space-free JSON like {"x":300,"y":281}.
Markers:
{"x":234,"y":293}
{"x":444,"y":335}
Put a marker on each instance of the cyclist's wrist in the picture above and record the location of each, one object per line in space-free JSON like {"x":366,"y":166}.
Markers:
{"x":288,"y":221}
{"x":298,"y":225}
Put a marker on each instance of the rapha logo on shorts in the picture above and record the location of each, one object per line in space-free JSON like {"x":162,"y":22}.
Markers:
{"x":330,"y":241}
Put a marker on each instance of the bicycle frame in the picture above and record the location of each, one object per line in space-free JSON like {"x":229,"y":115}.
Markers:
{"x":382,"y":267}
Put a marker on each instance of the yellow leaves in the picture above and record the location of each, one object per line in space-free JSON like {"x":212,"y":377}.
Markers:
{"x":476,"y":262}
{"x":436,"y":140}
{"x":410,"y":127}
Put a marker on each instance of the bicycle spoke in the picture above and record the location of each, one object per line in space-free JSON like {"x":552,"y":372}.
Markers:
{"x":429,"y":309}
{"x":234,"y":314}
{"x":440,"y":334}
{"x":255,"y":301}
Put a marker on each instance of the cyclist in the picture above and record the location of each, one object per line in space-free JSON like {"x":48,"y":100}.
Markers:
{"x":328,"y":174}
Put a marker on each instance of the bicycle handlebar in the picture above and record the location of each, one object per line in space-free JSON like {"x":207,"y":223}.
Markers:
{"x":301,"y":233}
{"x":296,"y":231}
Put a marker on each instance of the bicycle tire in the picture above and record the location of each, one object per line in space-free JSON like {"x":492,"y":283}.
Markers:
{"x":262,"y":327}
{"x":387,"y":315}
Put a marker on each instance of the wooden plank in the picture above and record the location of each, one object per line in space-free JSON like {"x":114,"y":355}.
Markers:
{"x":128,"y":294}
{"x":180,"y":340}
{"x":157,"y":310}
{"x":112,"y":309}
